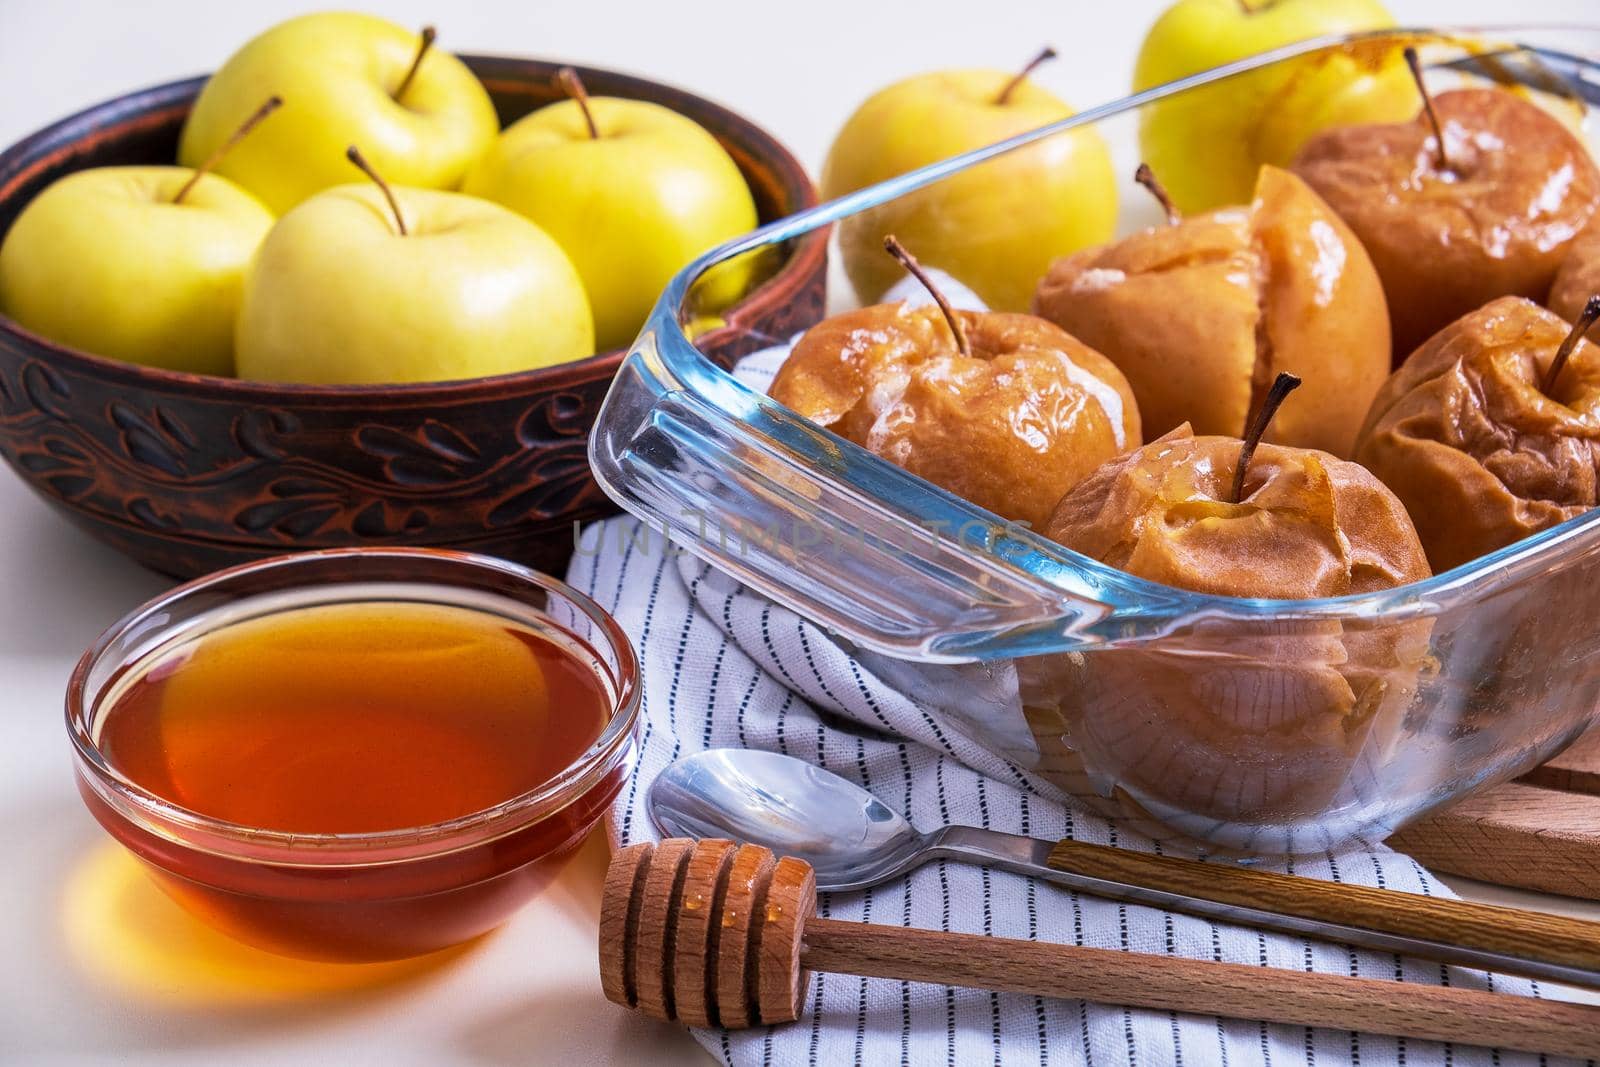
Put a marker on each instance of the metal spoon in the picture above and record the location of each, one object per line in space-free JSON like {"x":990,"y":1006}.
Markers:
{"x":852,"y":841}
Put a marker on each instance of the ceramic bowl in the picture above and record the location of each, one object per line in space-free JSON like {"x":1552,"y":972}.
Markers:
{"x":188,"y":473}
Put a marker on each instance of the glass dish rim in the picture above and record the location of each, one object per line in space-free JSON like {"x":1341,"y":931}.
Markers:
{"x":1024,"y":551}
{"x":161,"y":816}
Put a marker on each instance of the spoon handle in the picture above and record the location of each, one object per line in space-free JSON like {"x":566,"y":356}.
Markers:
{"x":1511,"y":940}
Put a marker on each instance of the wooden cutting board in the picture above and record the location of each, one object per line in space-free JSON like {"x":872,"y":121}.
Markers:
{"x":1541,"y":831}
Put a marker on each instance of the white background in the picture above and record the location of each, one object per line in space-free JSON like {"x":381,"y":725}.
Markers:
{"x":70,"y":918}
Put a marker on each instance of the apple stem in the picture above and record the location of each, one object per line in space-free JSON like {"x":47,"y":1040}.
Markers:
{"x":1415,"y":64}
{"x":1591,"y":312}
{"x":892,"y":245}
{"x":572,"y":85}
{"x":1282,"y":386}
{"x":426,"y":42}
{"x":1147,"y":178}
{"x":1045,"y":55}
{"x":353,"y":154}
{"x":272,"y":104}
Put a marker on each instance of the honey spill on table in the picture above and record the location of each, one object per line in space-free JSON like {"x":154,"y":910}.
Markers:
{"x":348,"y":718}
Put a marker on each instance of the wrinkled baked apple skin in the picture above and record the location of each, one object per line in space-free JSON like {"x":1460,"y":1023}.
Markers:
{"x":1497,"y":221}
{"x":1011,"y":427}
{"x":1308,"y":524}
{"x":1202,"y":315}
{"x":1468,"y":440}
{"x":1252,"y":721}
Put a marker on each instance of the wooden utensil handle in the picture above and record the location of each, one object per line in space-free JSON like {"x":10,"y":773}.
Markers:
{"x":1435,"y":1013}
{"x":1505,"y":931}
{"x":715,"y":934}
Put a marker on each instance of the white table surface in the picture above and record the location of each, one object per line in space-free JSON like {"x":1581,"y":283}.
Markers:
{"x":96,"y":966}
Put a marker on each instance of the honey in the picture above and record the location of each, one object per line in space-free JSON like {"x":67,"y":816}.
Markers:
{"x":355,"y":718}
{"x":356,"y":755}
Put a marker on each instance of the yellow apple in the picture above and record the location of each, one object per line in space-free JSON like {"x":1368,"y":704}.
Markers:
{"x":995,"y":228}
{"x":1209,"y":144}
{"x":632,"y":199}
{"x":338,"y":294}
{"x":338,"y":74}
{"x":107,"y":261}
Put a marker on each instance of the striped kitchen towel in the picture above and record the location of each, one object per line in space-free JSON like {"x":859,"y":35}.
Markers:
{"x":723,"y":666}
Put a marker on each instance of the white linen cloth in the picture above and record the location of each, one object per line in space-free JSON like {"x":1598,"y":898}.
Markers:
{"x":723,"y":666}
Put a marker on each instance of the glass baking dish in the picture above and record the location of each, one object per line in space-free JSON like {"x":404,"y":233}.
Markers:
{"x":1225,"y":725}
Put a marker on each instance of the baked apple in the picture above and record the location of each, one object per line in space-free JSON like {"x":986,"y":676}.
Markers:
{"x":1003,"y":409}
{"x":1491,"y":431}
{"x":1200,"y":314}
{"x":1478,"y":197}
{"x":1238,"y":720}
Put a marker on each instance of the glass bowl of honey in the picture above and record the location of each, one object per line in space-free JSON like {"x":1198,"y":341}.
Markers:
{"x":357,"y":754}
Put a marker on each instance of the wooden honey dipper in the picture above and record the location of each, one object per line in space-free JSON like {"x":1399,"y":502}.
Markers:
{"x":710,"y":933}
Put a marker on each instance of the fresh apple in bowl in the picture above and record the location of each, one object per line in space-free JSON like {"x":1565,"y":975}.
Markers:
{"x":630,"y":189}
{"x":142,"y":264}
{"x":333,"y":294}
{"x":168,"y":272}
{"x":345,"y":78}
